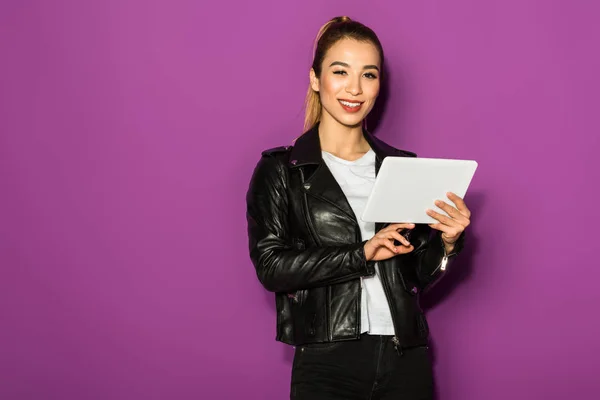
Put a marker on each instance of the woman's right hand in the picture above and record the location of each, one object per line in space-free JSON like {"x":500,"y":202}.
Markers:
{"x":381,"y":246}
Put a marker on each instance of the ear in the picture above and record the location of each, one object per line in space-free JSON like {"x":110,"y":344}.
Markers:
{"x":314,"y":81}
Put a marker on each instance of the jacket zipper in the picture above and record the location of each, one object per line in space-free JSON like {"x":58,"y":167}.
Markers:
{"x":359,"y":236}
{"x":386,"y":289}
{"x":442,"y":266}
{"x":360,"y":290}
{"x":444,"y":262}
{"x":313,"y":233}
{"x":306,"y":213}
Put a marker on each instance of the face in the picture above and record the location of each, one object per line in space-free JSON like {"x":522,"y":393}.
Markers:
{"x":349,"y":81}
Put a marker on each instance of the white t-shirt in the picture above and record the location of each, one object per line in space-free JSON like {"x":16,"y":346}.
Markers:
{"x":356,"y":178}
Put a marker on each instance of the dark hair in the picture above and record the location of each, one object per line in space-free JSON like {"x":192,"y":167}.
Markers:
{"x":334,"y":30}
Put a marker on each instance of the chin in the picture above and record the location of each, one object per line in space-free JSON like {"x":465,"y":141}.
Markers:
{"x":350,"y":122}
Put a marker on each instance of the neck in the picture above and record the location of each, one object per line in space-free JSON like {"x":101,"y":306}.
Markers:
{"x":341,"y":140}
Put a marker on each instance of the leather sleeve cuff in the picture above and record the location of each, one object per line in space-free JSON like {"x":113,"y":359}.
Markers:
{"x":369,"y":266}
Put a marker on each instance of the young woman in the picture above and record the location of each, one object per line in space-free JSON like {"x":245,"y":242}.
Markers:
{"x":346,"y":290}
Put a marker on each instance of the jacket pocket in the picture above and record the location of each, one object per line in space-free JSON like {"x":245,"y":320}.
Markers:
{"x":320,"y":348}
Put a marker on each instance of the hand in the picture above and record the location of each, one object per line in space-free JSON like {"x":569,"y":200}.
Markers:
{"x":381,"y":246}
{"x":455,"y":224}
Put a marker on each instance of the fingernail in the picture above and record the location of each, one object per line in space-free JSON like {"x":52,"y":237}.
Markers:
{"x":438,"y":202}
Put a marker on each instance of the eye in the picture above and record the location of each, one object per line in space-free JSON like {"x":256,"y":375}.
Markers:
{"x":340,"y":72}
{"x":370,"y":75}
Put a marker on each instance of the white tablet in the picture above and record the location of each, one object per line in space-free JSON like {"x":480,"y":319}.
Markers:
{"x":407,"y":186}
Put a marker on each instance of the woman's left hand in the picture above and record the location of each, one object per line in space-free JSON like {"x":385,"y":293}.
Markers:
{"x":453,"y":225}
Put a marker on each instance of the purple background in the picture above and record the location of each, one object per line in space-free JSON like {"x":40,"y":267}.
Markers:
{"x":128,"y":133}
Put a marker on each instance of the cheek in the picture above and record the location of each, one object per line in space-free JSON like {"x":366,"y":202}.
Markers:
{"x":372,"y":91}
{"x":331,"y":87}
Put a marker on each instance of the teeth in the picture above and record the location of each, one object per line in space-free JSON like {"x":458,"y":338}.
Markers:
{"x":348,"y":104}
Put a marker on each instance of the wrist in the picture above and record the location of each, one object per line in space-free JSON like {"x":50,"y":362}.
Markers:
{"x":366,"y":252}
{"x":449,"y":247}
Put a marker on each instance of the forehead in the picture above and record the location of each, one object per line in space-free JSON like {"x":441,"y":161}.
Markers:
{"x":353,"y":52}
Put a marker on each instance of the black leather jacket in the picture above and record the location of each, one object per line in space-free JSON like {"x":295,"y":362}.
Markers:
{"x":306,"y":246}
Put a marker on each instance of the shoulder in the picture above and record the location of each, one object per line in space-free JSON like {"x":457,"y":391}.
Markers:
{"x":275,"y":157}
{"x":279,"y":151}
{"x":271,"y":166}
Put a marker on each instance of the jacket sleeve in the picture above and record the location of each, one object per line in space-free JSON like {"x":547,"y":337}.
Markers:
{"x":432,"y":260}
{"x":280,"y":266}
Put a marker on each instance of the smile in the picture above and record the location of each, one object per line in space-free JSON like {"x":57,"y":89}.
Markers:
{"x":350,"y":106}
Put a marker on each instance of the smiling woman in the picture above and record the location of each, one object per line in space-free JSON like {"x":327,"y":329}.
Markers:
{"x":352,"y":84}
{"x":346,"y":290}
{"x":348,"y":58}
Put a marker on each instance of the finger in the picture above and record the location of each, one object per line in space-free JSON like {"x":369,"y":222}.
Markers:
{"x":390,"y":234}
{"x":396,"y":227}
{"x":405,"y":249}
{"x":387,"y":243}
{"x":452,"y":212}
{"x":381,"y":240}
{"x":442,"y":218}
{"x":450,"y":231}
{"x":396,"y":235}
{"x":460,"y":204}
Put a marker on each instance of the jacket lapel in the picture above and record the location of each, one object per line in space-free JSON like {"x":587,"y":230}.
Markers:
{"x":321,"y":183}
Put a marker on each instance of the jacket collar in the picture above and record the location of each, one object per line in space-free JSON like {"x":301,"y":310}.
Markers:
{"x":307,"y":149}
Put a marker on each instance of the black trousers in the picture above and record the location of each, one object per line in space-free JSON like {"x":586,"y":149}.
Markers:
{"x":366,"y":369}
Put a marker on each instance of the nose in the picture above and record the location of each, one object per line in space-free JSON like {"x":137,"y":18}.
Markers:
{"x":353,"y":87}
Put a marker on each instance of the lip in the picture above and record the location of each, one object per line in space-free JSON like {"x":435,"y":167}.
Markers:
{"x":351,"y":109}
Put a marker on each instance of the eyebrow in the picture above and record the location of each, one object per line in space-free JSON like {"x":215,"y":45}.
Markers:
{"x":343,"y":64}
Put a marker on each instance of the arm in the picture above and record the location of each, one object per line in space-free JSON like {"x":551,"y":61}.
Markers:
{"x":448,"y":240}
{"x":433,"y":258}
{"x":279,"y":266}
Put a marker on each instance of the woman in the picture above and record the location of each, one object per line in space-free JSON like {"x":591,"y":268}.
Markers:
{"x":346,"y":290}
